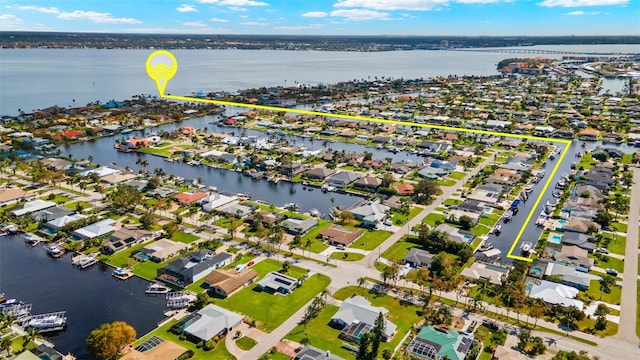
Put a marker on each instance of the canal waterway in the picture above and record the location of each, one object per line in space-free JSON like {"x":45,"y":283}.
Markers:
{"x":532,"y":232}
{"x":90,"y":297}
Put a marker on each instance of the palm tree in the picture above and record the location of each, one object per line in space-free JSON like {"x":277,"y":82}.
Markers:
{"x":31,"y":336}
{"x":361,"y":283}
{"x":5,"y":344}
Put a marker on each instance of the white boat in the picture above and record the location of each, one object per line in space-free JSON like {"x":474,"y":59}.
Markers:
{"x":497,"y":229}
{"x":179,"y":300}
{"x":119,"y":272}
{"x":528,"y":188}
{"x":55,"y":250}
{"x":87,"y":261}
{"x":485,"y":246}
{"x":314,"y":213}
{"x":155,"y":288}
{"x":526,"y":247}
{"x":47,"y":322}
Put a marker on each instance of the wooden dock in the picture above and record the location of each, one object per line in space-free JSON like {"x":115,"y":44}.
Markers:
{"x":125,"y":276}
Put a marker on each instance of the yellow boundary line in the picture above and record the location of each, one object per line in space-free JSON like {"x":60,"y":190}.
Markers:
{"x":395,"y":122}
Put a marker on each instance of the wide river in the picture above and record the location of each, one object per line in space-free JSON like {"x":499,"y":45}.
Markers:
{"x":36,"y":78}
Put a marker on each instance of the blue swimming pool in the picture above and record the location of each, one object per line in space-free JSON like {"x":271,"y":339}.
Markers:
{"x":555,"y":238}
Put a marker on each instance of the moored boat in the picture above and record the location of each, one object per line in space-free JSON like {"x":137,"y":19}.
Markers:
{"x":155,"y":288}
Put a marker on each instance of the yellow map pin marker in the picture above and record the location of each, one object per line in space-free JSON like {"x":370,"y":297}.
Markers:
{"x":161,"y":67}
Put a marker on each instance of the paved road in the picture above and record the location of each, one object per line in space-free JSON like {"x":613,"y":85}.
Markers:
{"x":628,"y":306}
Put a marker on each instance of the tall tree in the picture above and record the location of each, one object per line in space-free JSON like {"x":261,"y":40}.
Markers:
{"x":105,"y":341}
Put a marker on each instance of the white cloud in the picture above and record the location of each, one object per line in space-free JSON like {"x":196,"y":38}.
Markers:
{"x":360,"y":14}
{"x":219,"y":20}
{"x":315,"y":14}
{"x":183,"y":30}
{"x":96,"y":17}
{"x":44,"y":10}
{"x":299,"y":27}
{"x":235,"y":2}
{"x":478,"y":1}
{"x":576,"y":13}
{"x":253,"y":23}
{"x":195,"y":24}
{"x":237,"y":8}
{"x":9,"y":22}
{"x":577,"y":3}
{"x":186,"y":8}
{"x":421,"y":5}
{"x":243,"y":16}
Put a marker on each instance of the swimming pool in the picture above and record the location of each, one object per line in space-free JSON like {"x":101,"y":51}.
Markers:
{"x":536,"y":271}
{"x":555,"y":238}
{"x":561,"y":223}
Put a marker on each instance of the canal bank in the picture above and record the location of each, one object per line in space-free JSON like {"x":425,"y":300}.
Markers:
{"x":90,"y":297}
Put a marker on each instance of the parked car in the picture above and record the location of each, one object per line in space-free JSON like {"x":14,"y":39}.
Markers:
{"x":340,"y":247}
{"x":602,"y":250}
{"x":612,"y":272}
{"x":250,"y":263}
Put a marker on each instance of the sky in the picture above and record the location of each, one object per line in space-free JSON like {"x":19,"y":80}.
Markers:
{"x":327,"y":17}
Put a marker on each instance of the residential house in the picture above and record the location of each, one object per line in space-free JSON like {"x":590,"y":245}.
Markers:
{"x":155,"y":348}
{"x":162,"y":250}
{"x":277,"y":283}
{"x":50,"y":214}
{"x":439,"y":343}
{"x":11,"y":195}
{"x":417,"y":258}
{"x":100,"y":228}
{"x":292,"y":169}
{"x":580,"y":240}
{"x":570,"y":276}
{"x":399,"y":168}
{"x":309,"y":352}
{"x":56,"y":164}
{"x":600,"y":177}
{"x":31,"y":207}
{"x":481,"y":271}
{"x":342,"y":178}
{"x":337,"y":235}
{"x":237,"y":210}
{"x":53,"y":226}
{"x":370,"y":213}
{"x":216,"y":200}
{"x":210,"y":321}
{"x":575,"y":256}
{"x":319,"y":173}
{"x":429,"y":172}
{"x":367,"y":182}
{"x":575,"y":225}
{"x":295,"y":226}
{"x":444,"y":165}
{"x":589,"y":134}
{"x":125,"y":237}
{"x":474,"y":206}
{"x":554,"y":293}
{"x":356,"y":317}
{"x":405,"y":189}
{"x":188,"y":198}
{"x":588,"y":191}
{"x":186,"y":270}
{"x":223,"y":283}
{"x":455,"y":234}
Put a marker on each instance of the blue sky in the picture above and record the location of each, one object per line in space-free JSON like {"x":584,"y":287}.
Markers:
{"x":327,"y":17}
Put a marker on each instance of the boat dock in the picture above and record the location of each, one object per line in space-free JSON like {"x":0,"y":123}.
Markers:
{"x":54,"y":321}
{"x":84,"y":261}
{"x":122,"y":274}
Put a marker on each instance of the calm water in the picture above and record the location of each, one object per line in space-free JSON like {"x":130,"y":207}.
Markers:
{"x":90,"y":297}
{"x":36,"y":78}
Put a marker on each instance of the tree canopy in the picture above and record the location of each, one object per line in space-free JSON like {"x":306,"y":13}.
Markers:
{"x":105,"y":341}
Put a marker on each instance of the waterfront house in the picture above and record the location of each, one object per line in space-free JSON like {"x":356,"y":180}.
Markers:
{"x":432,"y":173}
{"x":357,"y":316}
{"x":154,"y":348}
{"x":295,"y":226}
{"x":580,"y":240}
{"x":439,"y":343}
{"x":188,"y":198}
{"x":163,"y":192}
{"x":95,"y":230}
{"x":237,"y":210}
{"x":216,"y":200}
{"x":161,"y":250}
{"x":600,"y":177}
{"x":123,"y":238}
{"x":53,"y":226}
{"x":100,"y":172}
{"x":186,"y":270}
{"x":277,"y":283}
{"x":444,"y":165}
{"x":570,"y":275}
{"x":223,"y":283}
{"x":337,"y":235}
{"x":367,"y":182}
{"x":589,"y":134}
{"x":470,"y":205}
{"x":208,"y":322}
{"x":56,"y":164}
{"x":31,"y":207}
{"x":399,"y":168}
{"x":370,"y":213}
{"x":417,"y":258}
{"x":319,"y":173}
{"x":342,"y":178}
{"x":50,"y":213}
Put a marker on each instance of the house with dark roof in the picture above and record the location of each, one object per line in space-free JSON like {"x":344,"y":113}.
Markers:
{"x":125,"y":237}
{"x":444,"y":165}
{"x":436,"y":343}
{"x":342,"y":178}
{"x":418,"y":258}
{"x":574,"y":256}
{"x":309,"y":352}
{"x":601,"y":177}
{"x":471,"y":205}
{"x":370,"y":213}
{"x":580,"y":240}
{"x":367,"y":182}
{"x":51,"y":213}
{"x":186,"y":270}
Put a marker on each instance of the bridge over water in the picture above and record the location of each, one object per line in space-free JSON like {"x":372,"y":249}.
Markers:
{"x":546,"y":52}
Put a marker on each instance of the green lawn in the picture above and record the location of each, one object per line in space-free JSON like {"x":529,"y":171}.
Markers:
{"x":272,"y":310}
{"x":616,"y":243}
{"x":612,"y":263}
{"x":452,"y":202}
{"x":400,"y":219}
{"x":155,"y":151}
{"x":346,"y":256}
{"x":480,"y":230}
{"x":123,"y":258}
{"x":612,"y":298}
{"x":638,"y":312}
{"x":59,"y":199}
{"x":277,"y":356}
{"x":586,"y":162}
{"x":246,"y":343}
{"x":457,"y":175}
{"x":219,"y":353}
{"x":316,"y":245}
{"x":398,"y":250}
{"x":619,"y":226}
{"x":489,"y":220}
{"x":183,"y":237}
{"x":320,"y":334}
{"x":432,"y":218}
{"x":446,"y":182}
{"x":370,"y":240}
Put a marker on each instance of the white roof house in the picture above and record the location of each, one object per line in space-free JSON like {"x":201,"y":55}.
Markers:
{"x":358,"y":309}
{"x":211,"y":321}
{"x":60,"y":222}
{"x":216,"y":200}
{"x":96,"y":229}
{"x":370,"y":213}
{"x":555,"y":293}
{"x":32,"y":206}
{"x":101,"y":171}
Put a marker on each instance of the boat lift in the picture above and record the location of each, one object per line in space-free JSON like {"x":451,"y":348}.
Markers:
{"x":59,"y":315}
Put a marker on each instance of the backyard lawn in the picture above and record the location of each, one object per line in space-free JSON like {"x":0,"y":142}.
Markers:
{"x":612,"y":298}
{"x":346,"y":256}
{"x":370,"y":240}
{"x":398,"y":251}
{"x":183,"y":237}
{"x":271,"y":310}
{"x":431,"y":219}
{"x":316,"y":245}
